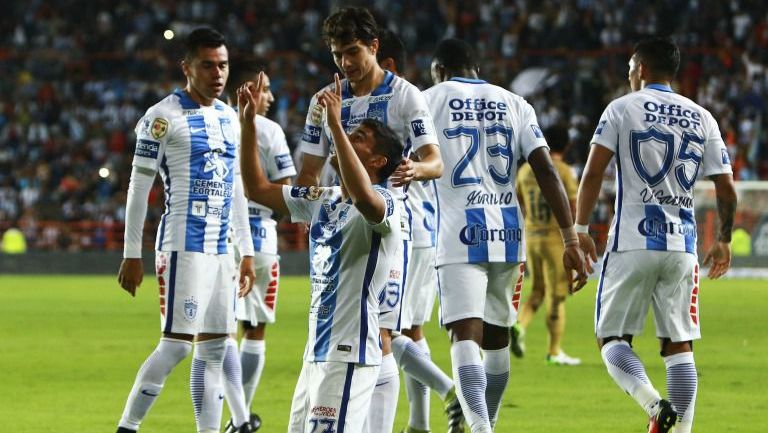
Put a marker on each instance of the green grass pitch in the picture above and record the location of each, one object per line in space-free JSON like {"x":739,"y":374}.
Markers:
{"x":71,"y":345}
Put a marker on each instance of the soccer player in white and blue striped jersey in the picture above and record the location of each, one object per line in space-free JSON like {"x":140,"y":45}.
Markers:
{"x":191,"y":138}
{"x":370,"y":92}
{"x":354,"y":236}
{"x":662,"y":142}
{"x":484,"y":132}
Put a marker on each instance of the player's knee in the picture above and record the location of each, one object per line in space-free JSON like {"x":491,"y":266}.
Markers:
{"x":211,"y":350}
{"x":605,"y":340}
{"x":495,"y":337}
{"x":669,"y":348}
{"x":174,"y":349}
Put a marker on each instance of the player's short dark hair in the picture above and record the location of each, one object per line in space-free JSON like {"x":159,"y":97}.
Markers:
{"x":388,"y":144}
{"x":660,"y":54}
{"x":455,"y":55}
{"x":557,"y":137}
{"x":349,"y":24}
{"x":242,"y":69}
{"x":202,"y":37}
{"x":390,"y":45}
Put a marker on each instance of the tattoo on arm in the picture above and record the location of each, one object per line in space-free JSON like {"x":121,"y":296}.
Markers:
{"x":726,"y":210}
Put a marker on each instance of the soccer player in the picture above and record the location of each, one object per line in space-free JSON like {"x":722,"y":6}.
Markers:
{"x":354,"y":235}
{"x":484,"y":131}
{"x":191,"y":137}
{"x":662,"y":141}
{"x":370,"y":92}
{"x":257,"y":309}
{"x":410,"y":349}
{"x":544,"y":252}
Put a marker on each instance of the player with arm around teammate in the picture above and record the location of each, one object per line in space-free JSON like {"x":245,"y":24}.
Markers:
{"x":242,"y":373}
{"x":370,"y":92}
{"x":191,"y":138}
{"x":484,"y":131}
{"x":354,"y":234}
{"x":661,"y":142}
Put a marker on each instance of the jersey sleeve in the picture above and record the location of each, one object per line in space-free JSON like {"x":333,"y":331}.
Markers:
{"x":313,"y":140}
{"x":715,"y":158}
{"x":391,"y":219}
{"x":152,"y":134}
{"x":302,"y":201}
{"x":529,"y":136}
{"x":607,"y":131}
{"x":279,"y":164}
{"x":417,"y":118}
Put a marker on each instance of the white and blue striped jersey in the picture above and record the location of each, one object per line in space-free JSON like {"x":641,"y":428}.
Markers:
{"x":662,"y":141}
{"x":396,"y":103}
{"x":421,"y":209}
{"x":195,"y":149}
{"x":277,"y":163}
{"x":350,"y":259}
{"x":484,"y":131}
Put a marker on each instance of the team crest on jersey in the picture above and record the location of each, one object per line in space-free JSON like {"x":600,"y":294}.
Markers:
{"x":316,"y":115}
{"x":726,"y":159}
{"x":159,"y":128}
{"x":214,"y":163}
{"x":321,"y":259}
{"x":227,"y":130}
{"x":190,"y":308}
{"x":537,"y":131}
{"x":600,"y":126}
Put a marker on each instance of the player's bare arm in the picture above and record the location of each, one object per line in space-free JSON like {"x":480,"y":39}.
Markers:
{"x":354,"y":177}
{"x":131,"y":271}
{"x":554,"y":192}
{"x":311,"y":167}
{"x":719,"y":255}
{"x":427,"y":166}
{"x":589,"y":191}
{"x":257,"y":187}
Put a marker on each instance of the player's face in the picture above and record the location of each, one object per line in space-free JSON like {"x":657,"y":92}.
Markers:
{"x":634,"y":74}
{"x":363,"y":142}
{"x":207,"y":74}
{"x":267,"y":97}
{"x":355,"y":60}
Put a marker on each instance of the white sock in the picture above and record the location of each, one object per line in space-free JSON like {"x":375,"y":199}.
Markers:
{"x":415,"y":362}
{"x":381,"y":417}
{"x":628,"y":372}
{"x":233,"y":384}
{"x":469,"y":379}
{"x":418,"y":395}
{"x":205,"y":383}
{"x":496,"y":365}
{"x":151,"y":378}
{"x":682,"y":387}
{"x":253,"y":353}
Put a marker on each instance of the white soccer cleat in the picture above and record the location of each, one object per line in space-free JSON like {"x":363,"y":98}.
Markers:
{"x":562,"y":359}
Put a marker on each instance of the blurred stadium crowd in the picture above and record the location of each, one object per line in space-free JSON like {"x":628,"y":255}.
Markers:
{"x":78,"y":74}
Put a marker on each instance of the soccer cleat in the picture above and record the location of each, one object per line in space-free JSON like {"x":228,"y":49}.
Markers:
{"x":454,"y":413}
{"x":125,"y":430}
{"x":562,"y":359}
{"x":255,"y":422}
{"x":517,"y":340}
{"x":664,"y":419}
{"x":245,"y":428}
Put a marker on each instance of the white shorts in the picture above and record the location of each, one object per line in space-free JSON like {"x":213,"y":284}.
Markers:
{"x":488,"y":291}
{"x":332,"y":397}
{"x":260,"y":305}
{"x":420,"y":288}
{"x":197,"y":292}
{"x":631,"y":281}
{"x":390,"y":300}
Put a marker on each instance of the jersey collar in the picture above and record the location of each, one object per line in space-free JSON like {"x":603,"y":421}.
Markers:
{"x":659,"y":87}
{"x":468,"y":80}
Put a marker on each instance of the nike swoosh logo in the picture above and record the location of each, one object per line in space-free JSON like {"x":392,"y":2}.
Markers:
{"x":196,"y":130}
{"x":145,"y":392}
{"x":221,"y":396}
{"x":381,"y":384}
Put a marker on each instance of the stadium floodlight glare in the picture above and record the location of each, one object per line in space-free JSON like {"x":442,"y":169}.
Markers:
{"x":104,"y":172}
{"x":168,"y":34}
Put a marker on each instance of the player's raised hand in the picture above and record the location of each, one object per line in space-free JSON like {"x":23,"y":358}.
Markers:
{"x":718,"y":259}
{"x":249,"y":98}
{"x":404,"y":173}
{"x":331,"y":101}
{"x":587,"y":245}
{"x":247,"y":276}
{"x":574,"y":261}
{"x":130,"y":275}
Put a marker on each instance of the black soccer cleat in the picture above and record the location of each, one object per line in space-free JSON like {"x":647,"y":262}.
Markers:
{"x":245,"y":428}
{"x":664,"y":419}
{"x":125,"y":430}
{"x":255,"y":422}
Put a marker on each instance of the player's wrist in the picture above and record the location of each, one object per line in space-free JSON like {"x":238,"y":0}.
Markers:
{"x":570,"y":238}
{"x":581,"y":229}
